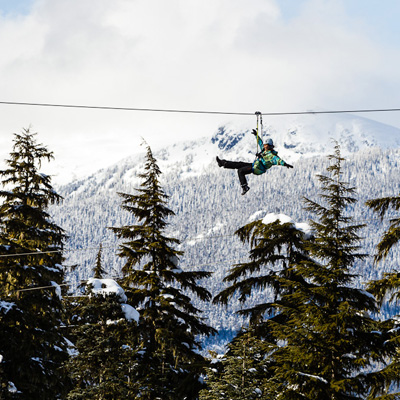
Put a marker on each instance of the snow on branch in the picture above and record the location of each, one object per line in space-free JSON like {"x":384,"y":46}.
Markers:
{"x":284,"y":219}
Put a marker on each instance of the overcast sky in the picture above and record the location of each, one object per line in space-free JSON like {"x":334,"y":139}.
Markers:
{"x":209,"y":55}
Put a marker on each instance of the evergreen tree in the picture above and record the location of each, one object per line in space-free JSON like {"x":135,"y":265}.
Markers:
{"x":331,"y":338}
{"x":102,"y":334}
{"x":387,"y":380}
{"x":276,"y":247}
{"x":169,"y":364}
{"x":320,"y":332}
{"x":98,"y":271}
{"x":9,"y":313}
{"x":240,"y":374}
{"x":31,"y":247}
{"x":387,"y":289}
{"x":392,"y":235}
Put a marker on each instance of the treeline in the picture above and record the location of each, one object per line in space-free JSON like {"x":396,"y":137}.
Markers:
{"x":140,"y":337}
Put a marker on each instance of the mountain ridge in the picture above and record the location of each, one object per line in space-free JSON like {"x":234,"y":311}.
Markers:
{"x":295,"y":137}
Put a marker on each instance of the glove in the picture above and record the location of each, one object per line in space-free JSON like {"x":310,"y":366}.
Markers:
{"x":254,"y":132}
{"x":258,"y":155}
{"x":288,"y":165}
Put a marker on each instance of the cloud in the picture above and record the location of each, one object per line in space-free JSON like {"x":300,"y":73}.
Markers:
{"x":220,"y":55}
{"x":185,"y":54}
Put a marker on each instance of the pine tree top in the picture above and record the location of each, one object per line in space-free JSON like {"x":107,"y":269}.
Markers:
{"x":23,"y":175}
{"x":26,"y":227}
{"x":337,"y":242}
{"x":31,"y":272}
{"x":152,"y":261}
{"x":98,"y":270}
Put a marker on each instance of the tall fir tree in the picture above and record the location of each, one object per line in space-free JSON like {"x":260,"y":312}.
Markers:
{"x":98,"y":271}
{"x":387,"y":380}
{"x":169,"y":365}
{"x":101,"y":332}
{"x":31,"y":271}
{"x":322,"y":335}
{"x":387,"y":290}
{"x":240,"y":374}
{"x":276,"y":246}
{"x":332,"y":340}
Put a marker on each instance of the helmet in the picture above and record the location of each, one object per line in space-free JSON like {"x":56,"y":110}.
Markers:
{"x":269,"y":142}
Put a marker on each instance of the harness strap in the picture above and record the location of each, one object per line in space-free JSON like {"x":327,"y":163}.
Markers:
{"x":259,"y":120}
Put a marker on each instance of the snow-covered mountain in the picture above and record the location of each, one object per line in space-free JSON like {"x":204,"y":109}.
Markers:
{"x":207,"y":201}
{"x":295,"y":137}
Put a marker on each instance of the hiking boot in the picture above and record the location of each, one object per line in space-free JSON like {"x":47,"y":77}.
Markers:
{"x":245,"y":189}
{"x":221,"y":163}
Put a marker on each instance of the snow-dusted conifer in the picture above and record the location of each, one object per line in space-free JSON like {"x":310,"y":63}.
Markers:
{"x":387,"y":289}
{"x":31,"y":247}
{"x":98,"y":271}
{"x":320,"y":331}
{"x":240,"y":374}
{"x":277,"y":245}
{"x":331,"y":342}
{"x":392,"y":235}
{"x":103,"y":329}
{"x":169,"y":365}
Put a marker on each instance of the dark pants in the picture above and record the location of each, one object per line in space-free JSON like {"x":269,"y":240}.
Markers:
{"x":243,"y":168}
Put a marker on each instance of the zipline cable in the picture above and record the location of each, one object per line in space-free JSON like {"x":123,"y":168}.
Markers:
{"x":349,"y":111}
{"x":123,"y":108}
{"x":33,"y":253}
{"x":235,"y":261}
{"x":81,"y":281}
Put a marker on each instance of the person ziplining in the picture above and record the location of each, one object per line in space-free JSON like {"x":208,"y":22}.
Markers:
{"x":266,"y":158}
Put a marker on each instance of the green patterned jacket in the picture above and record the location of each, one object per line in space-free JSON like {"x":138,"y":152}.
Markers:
{"x":266,"y":160}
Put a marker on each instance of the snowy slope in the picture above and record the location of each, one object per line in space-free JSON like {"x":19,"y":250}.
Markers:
{"x":209,"y":207}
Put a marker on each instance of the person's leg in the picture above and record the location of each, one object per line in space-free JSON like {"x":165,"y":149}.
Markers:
{"x":232,"y":164}
{"x":243,"y":171}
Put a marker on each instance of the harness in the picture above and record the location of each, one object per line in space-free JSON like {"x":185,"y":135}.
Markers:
{"x":256,"y":163}
{"x":259,"y":123}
